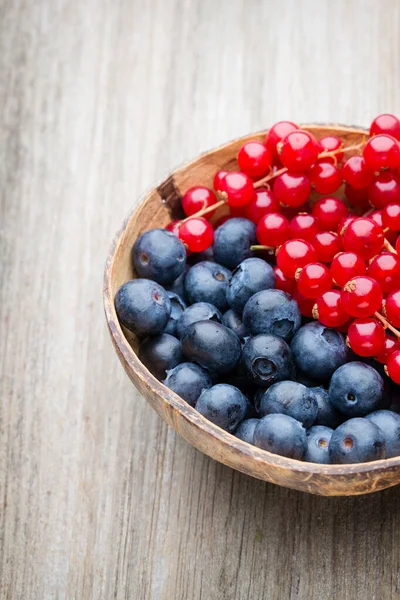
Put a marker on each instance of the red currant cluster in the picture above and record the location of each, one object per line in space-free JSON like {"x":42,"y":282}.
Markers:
{"x":342,"y":268}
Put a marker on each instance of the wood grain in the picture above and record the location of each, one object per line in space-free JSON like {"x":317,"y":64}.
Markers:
{"x":99,"y":100}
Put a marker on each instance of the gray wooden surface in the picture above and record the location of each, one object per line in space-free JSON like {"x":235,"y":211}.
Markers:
{"x":98,"y":100}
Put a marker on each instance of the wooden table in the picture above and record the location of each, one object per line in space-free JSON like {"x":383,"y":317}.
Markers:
{"x":98,"y":100}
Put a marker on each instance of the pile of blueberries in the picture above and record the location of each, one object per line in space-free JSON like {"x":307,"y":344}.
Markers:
{"x":214,"y":329}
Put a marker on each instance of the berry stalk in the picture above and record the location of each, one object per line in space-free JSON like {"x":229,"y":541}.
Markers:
{"x":387,"y":325}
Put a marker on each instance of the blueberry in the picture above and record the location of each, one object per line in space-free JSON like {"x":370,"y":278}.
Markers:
{"x":207,"y":282}
{"x":188,"y":380}
{"x":274,"y":312}
{"x":178,"y":285}
{"x":357,"y":440}
{"x":356,"y":389}
{"x":159,"y":255}
{"x":281,"y":434}
{"x":160,"y":354}
{"x":212,"y":346}
{"x":389,"y":423}
{"x":305,"y":379}
{"x":319,"y":351}
{"x":177,"y":308}
{"x":245,"y":431}
{"x":290,"y":398}
{"x":197,"y":257}
{"x":224,"y":405}
{"x":327,"y":414}
{"x":200,"y":311}
{"x":233,"y":321}
{"x":251,"y":276}
{"x":267,"y":359}
{"x":318,"y":438}
{"x":232,"y":241}
{"x":143,"y":306}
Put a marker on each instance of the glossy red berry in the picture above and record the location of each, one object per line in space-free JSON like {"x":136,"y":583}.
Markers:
{"x":391,"y":345}
{"x":173,"y":227}
{"x":298,"y":151}
{"x":392,"y":308}
{"x":238,"y":187}
{"x":262,"y":203}
{"x":293,"y":255}
{"x":377,"y":217}
{"x":330,"y":212}
{"x":197,"y":234}
{"x":386,"y":123}
{"x":331,"y":143}
{"x":238,"y":211}
{"x":254,"y":159}
{"x":382,"y":152}
{"x":347,"y":265}
{"x":391,"y":217}
{"x":276,"y":134}
{"x":385,"y":269}
{"x":329,"y":310}
{"x":292,"y":189}
{"x":218,"y":179}
{"x":272,"y":230}
{"x":284,"y":283}
{"x":304,"y":227}
{"x":313,"y":280}
{"x":356,"y":173}
{"x":197,"y":198}
{"x":364,"y":237}
{"x":357,"y":198}
{"x":398,"y":245}
{"x":384,"y":189}
{"x":361,"y":296}
{"x":325,"y":177}
{"x":305,"y":305}
{"x":327,"y":244}
{"x":393,"y":366}
{"x":366,"y":337}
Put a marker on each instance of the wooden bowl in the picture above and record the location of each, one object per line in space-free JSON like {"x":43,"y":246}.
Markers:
{"x":158,"y":207}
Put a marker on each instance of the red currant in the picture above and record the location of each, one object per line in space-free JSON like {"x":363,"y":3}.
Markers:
{"x":238,"y":211}
{"x":356,"y":173}
{"x":197,"y":198}
{"x":357,"y":198}
{"x":284,"y":283}
{"x":238,"y":187}
{"x":391,"y":344}
{"x":391,"y":217}
{"x":173,"y":227}
{"x":366,"y":337}
{"x":254,"y":159}
{"x":364,"y":237}
{"x":330,"y":143}
{"x":272,"y":230}
{"x":325,"y":177}
{"x":393,"y":366}
{"x":304,"y":227}
{"x":261,"y":204}
{"x":329,"y":310}
{"x":345,"y":266}
{"x":398,"y":245}
{"x":385,"y":269}
{"x":313,"y":280}
{"x":292,"y":189}
{"x":218,"y":180}
{"x":276,"y":134}
{"x":299,"y":150}
{"x":384,"y":189}
{"x":392,"y":308}
{"x":377,"y":217}
{"x":330,"y":212}
{"x":306,"y":305}
{"x":361,"y":296}
{"x":327,"y":244}
{"x":344,"y":222}
{"x":386,"y":123}
{"x":197,"y":234}
{"x":293,"y":255}
{"x":382,"y":152}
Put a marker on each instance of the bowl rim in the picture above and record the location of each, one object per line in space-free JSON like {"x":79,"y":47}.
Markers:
{"x":180,"y":406}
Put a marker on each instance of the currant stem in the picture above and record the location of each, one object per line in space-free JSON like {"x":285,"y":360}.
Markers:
{"x":387,"y":325}
{"x":268,"y":248}
{"x":264,"y":180}
{"x":205,"y":211}
{"x":388,"y":246}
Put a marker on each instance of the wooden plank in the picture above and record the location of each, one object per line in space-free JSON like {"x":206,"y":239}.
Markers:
{"x":100,"y":99}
